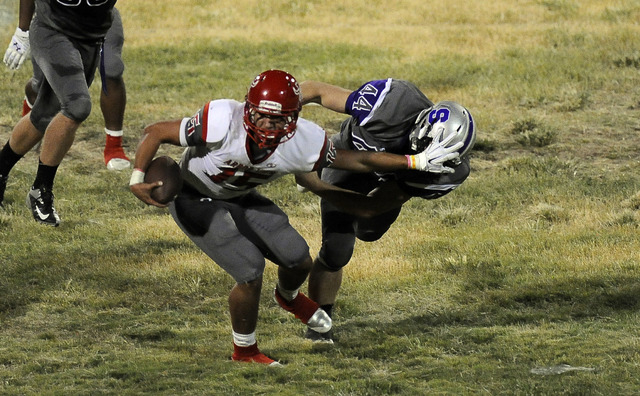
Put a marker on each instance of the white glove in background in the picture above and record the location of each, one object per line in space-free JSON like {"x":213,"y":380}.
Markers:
{"x":18,"y":50}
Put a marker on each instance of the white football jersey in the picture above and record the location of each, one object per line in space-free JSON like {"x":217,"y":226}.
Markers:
{"x":216,"y":161}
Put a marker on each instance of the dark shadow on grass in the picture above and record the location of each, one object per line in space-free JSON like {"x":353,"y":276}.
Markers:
{"x":24,"y":284}
{"x":579,"y":299}
{"x":481,"y":313}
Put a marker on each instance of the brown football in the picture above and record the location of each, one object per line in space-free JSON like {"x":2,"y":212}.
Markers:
{"x":164,"y":169}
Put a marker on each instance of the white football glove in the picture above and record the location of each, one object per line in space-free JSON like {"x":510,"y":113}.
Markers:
{"x":432,"y":159}
{"x":18,"y":50}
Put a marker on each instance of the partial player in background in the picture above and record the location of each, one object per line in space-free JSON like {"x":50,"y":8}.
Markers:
{"x":390,"y":116}
{"x":76,"y":30}
{"x":113,"y":96}
{"x":233,"y":147}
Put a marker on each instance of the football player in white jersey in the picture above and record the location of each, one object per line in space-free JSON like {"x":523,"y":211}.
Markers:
{"x":232,"y":147}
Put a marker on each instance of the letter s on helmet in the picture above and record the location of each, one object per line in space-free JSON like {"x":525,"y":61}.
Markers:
{"x":274,"y":93}
{"x":449,"y":117}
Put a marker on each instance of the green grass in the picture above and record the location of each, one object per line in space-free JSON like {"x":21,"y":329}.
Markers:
{"x":532,"y":263}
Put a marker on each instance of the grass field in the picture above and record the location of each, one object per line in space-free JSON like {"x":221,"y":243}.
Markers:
{"x":532,"y":264}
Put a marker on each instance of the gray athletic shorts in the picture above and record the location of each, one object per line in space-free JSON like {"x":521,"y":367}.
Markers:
{"x":113,"y":68}
{"x":112,"y":52}
{"x":64,"y":86}
{"x":238,"y":234}
{"x":340,"y":229}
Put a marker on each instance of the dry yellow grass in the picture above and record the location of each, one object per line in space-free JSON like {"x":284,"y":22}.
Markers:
{"x":417,"y":28}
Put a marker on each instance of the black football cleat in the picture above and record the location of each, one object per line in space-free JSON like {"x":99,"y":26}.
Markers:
{"x":40,"y":200}
{"x":322,"y":338}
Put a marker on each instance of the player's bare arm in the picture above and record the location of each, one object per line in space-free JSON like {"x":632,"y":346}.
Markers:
{"x":432,"y":159}
{"x":368,"y":161}
{"x":27,"y":8}
{"x":384,"y":198}
{"x":329,"y":96}
{"x":154,"y":135}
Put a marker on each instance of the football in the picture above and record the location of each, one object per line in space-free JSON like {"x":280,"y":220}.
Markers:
{"x":164,"y":169}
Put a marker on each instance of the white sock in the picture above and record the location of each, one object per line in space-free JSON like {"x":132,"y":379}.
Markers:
{"x":288,"y":295}
{"x":114,"y":133}
{"x":244,"y":340}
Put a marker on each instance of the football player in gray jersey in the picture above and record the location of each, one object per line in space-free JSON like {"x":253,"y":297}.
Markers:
{"x":113,"y":96}
{"x":391,"y":116}
{"x":77,"y":29}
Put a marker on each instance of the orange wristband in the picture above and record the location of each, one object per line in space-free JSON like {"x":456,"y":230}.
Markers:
{"x":411,"y":162}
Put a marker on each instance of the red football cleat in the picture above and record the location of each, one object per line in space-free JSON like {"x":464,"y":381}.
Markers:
{"x":114,"y":156}
{"x":252,"y":354}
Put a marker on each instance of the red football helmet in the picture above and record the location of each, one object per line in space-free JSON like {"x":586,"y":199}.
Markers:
{"x":273,"y":93}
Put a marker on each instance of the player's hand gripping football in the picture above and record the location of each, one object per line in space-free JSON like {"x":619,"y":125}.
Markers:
{"x":18,"y":50}
{"x":160,"y":184}
{"x":432,"y":159}
{"x":143,"y":192}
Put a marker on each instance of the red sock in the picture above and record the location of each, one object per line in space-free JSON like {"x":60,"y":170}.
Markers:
{"x":251,"y":354}
{"x":113,"y":149}
{"x":302,"y":306}
{"x":26,"y":108}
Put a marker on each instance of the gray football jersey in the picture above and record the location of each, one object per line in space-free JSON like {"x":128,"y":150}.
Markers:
{"x":383,"y":113}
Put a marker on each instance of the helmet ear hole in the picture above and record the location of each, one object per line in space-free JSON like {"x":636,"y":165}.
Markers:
{"x":418,"y":137}
{"x":420,"y":145}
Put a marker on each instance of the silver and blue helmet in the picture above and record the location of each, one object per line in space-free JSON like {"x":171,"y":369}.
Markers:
{"x":442,"y":120}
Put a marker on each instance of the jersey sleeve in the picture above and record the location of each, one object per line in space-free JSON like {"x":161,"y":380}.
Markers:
{"x":383,"y":113}
{"x":308,"y":150}
{"x":327,"y":155}
{"x":200,"y":129}
{"x":362,"y":103}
